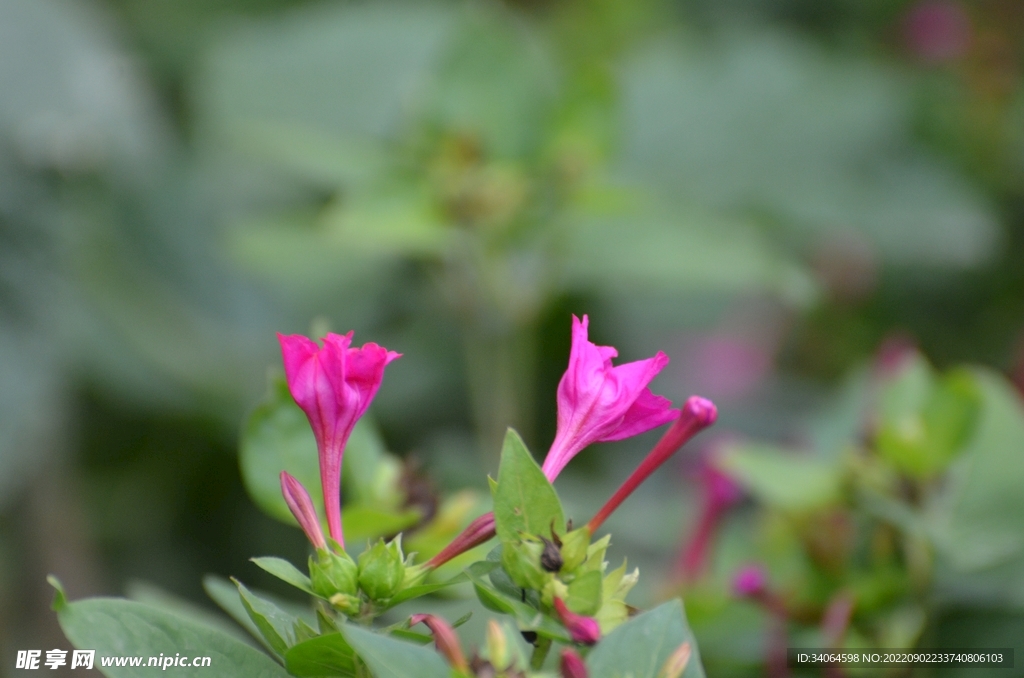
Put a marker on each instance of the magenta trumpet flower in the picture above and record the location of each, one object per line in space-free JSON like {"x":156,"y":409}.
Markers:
{"x":334,"y":385}
{"x":301,"y":506}
{"x":598,"y":402}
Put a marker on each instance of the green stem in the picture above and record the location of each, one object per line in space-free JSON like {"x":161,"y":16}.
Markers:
{"x":540,"y":653}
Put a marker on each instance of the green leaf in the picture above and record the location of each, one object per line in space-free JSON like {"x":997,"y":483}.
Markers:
{"x":524,"y":500}
{"x":274,"y":624}
{"x":285,"y":571}
{"x":640,"y":647}
{"x":153,"y":596}
{"x":118,"y":627}
{"x":414,"y":592}
{"x":782,"y":478}
{"x":327,"y":655}
{"x":978,"y":519}
{"x":389,"y":657}
{"x":527,"y":617}
{"x":225,"y":594}
{"x":585,"y":593}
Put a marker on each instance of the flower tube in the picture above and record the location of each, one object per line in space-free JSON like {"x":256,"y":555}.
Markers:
{"x":334,"y":385}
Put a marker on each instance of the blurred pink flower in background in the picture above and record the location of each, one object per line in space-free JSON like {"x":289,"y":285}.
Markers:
{"x":937,"y":31}
{"x":719,"y":492}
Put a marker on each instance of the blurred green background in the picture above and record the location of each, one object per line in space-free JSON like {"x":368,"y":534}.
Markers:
{"x":767,"y":190}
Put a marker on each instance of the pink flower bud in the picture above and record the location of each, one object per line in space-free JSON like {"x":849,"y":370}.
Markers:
{"x":697,"y":414}
{"x":572,"y":665}
{"x":334,"y":386}
{"x":598,"y":402}
{"x":478,"y":531}
{"x":445,"y":639}
{"x":301,"y":506}
{"x":584,"y":630}
{"x":750,"y":582}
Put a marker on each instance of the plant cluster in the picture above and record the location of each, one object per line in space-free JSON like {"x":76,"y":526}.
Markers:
{"x":549,"y":578}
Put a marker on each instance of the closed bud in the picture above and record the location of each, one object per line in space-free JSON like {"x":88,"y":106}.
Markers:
{"x":347,"y":603}
{"x":574,"y":548}
{"x":445,"y":640}
{"x":381,"y":570}
{"x":522,"y":563}
{"x":497,"y":646}
{"x":333,"y":573}
{"x":584,"y":630}
{"x":572,"y":665}
{"x":676,"y":663}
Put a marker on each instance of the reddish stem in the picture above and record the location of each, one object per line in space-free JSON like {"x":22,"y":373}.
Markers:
{"x":698,"y":413}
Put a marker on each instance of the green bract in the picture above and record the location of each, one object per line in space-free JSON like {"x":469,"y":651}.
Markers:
{"x":381,"y":570}
{"x":333,"y":573}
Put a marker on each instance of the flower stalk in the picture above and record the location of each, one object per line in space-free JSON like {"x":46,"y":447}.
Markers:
{"x":697,"y":414}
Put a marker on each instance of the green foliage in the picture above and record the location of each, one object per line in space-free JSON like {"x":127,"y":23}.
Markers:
{"x":275,"y":625}
{"x":286,"y":572}
{"x":640,"y":647}
{"x":782,"y":479}
{"x":114,"y":626}
{"x":391,"y":658}
{"x":326,"y":655}
{"x":524,"y":500}
{"x":979,"y":515}
{"x":924,"y":420}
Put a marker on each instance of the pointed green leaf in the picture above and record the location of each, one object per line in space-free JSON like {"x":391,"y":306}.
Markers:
{"x":224,"y":593}
{"x":285,"y":571}
{"x":118,"y":627}
{"x":640,"y":647}
{"x":389,"y":657}
{"x":327,"y":655}
{"x":276,"y":625}
{"x":524,"y":500}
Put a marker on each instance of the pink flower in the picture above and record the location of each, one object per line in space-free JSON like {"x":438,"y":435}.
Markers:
{"x":584,"y":630}
{"x":301,"y":506}
{"x":750,"y":582}
{"x":572,"y":665}
{"x":599,"y":403}
{"x":333,"y":385}
{"x":938,"y":31}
